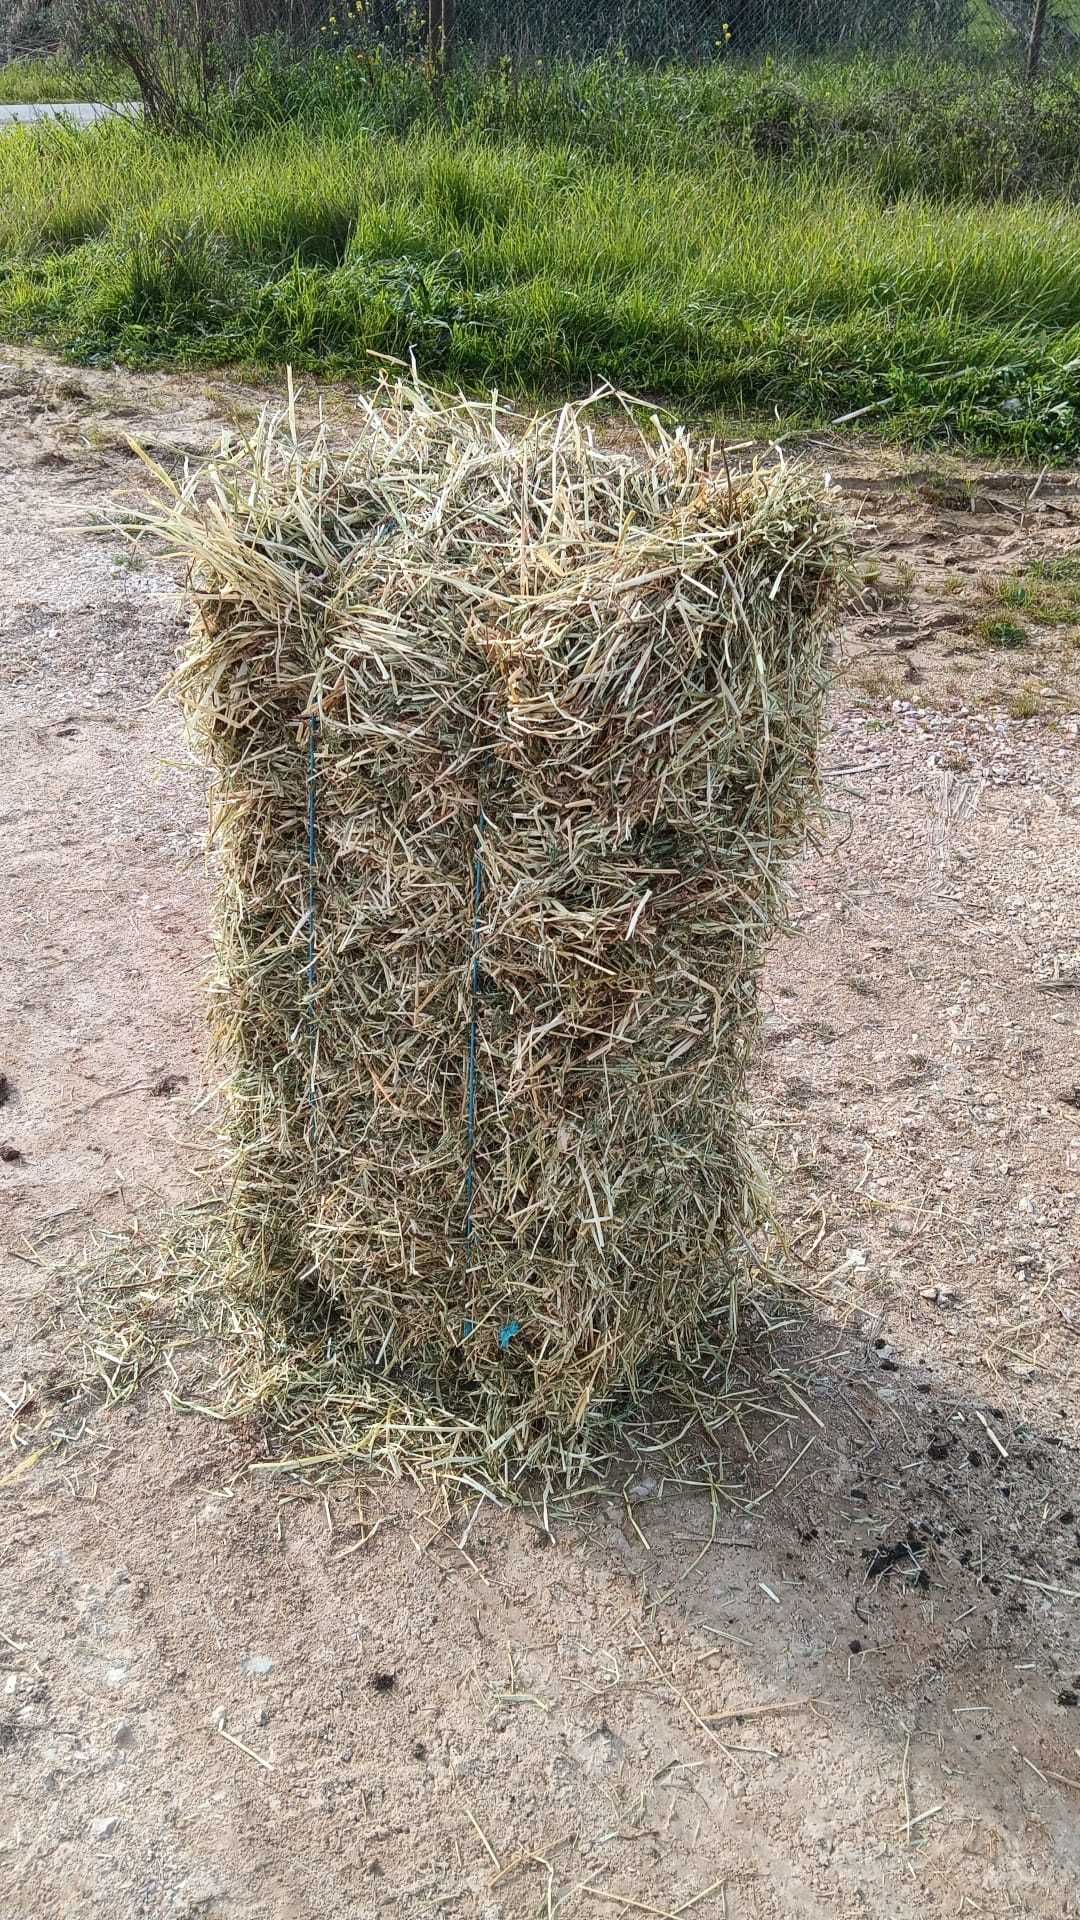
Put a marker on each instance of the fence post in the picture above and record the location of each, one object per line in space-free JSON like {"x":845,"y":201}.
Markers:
{"x":440,"y":34}
{"x":1035,"y":40}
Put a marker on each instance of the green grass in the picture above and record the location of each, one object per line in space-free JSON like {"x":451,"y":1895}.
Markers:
{"x":1008,"y":635}
{"x":722,"y":276}
{"x":903,"y":124}
{"x":1046,"y":593}
{"x":52,"y":79}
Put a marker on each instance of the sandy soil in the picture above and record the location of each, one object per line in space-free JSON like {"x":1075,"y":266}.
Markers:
{"x":227,"y":1694}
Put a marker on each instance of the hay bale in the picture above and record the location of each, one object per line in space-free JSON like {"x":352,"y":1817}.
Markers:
{"x":513,"y":735}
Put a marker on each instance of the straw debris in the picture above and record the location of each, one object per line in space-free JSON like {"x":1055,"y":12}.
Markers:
{"x":513,"y":735}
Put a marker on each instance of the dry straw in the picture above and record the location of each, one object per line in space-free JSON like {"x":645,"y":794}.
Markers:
{"x":513,"y":734}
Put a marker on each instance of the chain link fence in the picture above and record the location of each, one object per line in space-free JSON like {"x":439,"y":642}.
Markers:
{"x":1025,"y":34}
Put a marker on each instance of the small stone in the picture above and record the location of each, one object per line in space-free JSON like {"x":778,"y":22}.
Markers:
{"x":124,"y":1736}
{"x":258,"y":1663}
{"x":103,"y":1829}
{"x":642,"y":1489}
{"x":115,"y":1676}
{"x":196,"y":1895}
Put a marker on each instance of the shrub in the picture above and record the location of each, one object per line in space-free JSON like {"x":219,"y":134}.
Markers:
{"x":180,"y":52}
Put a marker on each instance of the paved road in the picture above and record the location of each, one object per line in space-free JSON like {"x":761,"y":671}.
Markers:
{"x":82,"y":112}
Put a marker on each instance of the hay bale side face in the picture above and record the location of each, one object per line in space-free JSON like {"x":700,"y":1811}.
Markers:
{"x":567,"y":710}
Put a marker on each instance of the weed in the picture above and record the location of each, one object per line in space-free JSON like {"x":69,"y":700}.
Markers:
{"x":1024,"y":704}
{"x":947,"y":491}
{"x":874,"y":681}
{"x":1062,"y":568}
{"x":1002,"y":633}
{"x":861,"y":984}
{"x":1047,"y":592}
{"x":66,"y":387}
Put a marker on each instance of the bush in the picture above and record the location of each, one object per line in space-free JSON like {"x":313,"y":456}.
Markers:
{"x":180,"y":53}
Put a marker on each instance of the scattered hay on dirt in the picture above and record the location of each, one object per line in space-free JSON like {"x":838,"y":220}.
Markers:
{"x":513,"y":735}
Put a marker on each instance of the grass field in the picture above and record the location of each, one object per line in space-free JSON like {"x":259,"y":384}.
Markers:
{"x":902,"y":124}
{"x":727,"y":240}
{"x":49,"y":79}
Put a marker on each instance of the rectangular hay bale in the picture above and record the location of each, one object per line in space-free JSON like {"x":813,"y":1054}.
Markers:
{"x":513,"y":736}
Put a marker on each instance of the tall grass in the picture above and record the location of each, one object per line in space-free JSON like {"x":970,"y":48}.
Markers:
{"x":940,"y":126}
{"x":728,"y":280}
{"x":52,"y":79}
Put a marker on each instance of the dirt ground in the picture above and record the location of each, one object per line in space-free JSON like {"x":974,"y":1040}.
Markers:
{"x":225,"y":1693}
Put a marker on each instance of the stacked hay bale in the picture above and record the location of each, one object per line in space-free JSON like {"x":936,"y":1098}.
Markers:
{"x":513,"y":735}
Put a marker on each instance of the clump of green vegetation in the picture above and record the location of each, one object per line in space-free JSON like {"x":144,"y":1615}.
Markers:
{"x":1005,"y":634}
{"x":1013,"y":593}
{"x":1047,"y":592}
{"x":953,"y":492}
{"x":51,"y":79}
{"x":1024,"y":704}
{"x":1062,"y":567}
{"x":874,"y":682}
{"x":1054,"y":590}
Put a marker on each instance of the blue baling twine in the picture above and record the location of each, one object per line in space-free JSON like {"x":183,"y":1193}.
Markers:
{"x":512,"y":1327}
{"x":506,"y":1333}
{"x":312,"y":860}
{"x":470,"y":1115}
